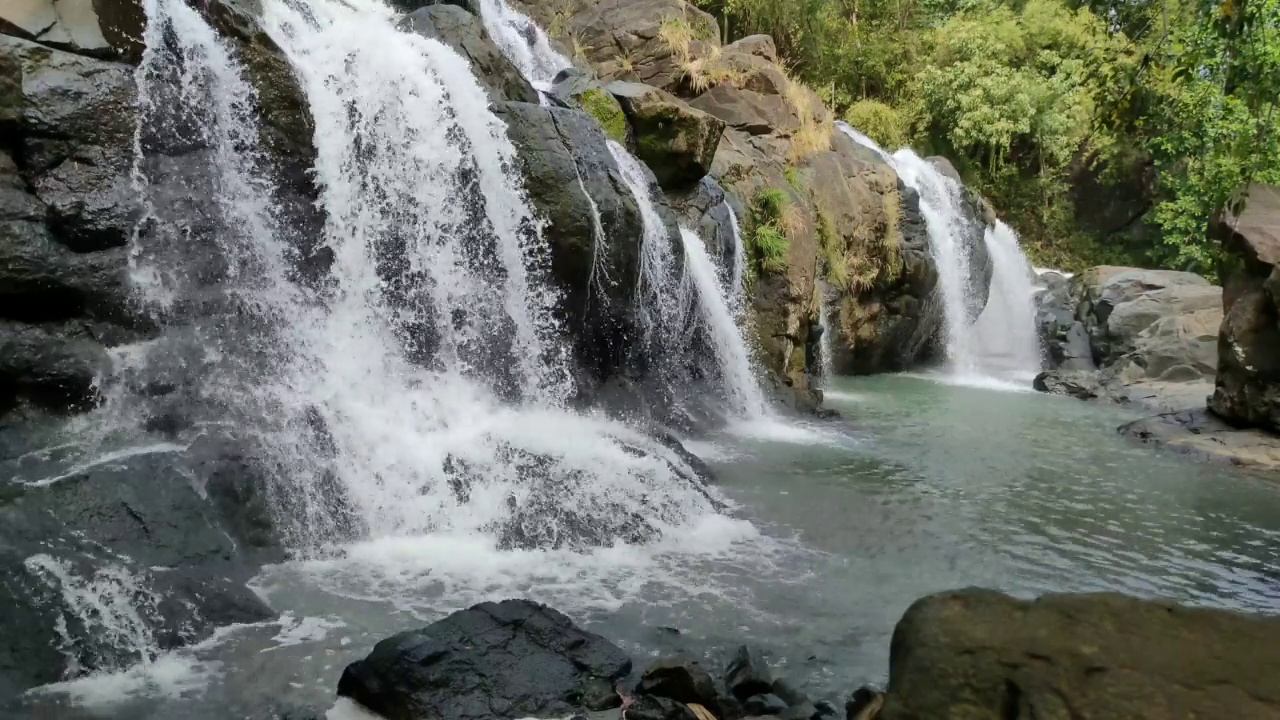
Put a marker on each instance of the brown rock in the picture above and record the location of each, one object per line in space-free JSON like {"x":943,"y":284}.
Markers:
{"x":981,"y":655}
{"x":1248,"y":383}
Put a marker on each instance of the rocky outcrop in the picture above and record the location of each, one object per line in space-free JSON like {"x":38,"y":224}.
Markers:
{"x":648,"y":41}
{"x":1247,"y":392}
{"x":1146,"y":337}
{"x":512,"y":659}
{"x":517,"y":659}
{"x":676,"y":141}
{"x":979,"y":655}
{"x":171,"y":531}
{"x":1201,"y":435}
{"x":464,"y":32}
{"x":108,"y":29}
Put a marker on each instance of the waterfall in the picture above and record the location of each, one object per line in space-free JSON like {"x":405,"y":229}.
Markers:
{"x":1006,"y":331}
{"x":740,"y":384}
{"x":999,"y":345}
{"x":523,"y":43}
{"x":663,"y":307}
{"x":420,"y":385}
{"x":737,"y":279}
{"x":825,"y":357}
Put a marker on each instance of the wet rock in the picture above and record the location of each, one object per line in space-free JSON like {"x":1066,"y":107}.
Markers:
{"x":764,"y":705}
{"x":135,"y":529}
{"x":676,"y":141}
{"x":748,"y":674}
{"x":789,"y":693}
{"x":651,"y":707}
{"x":595,"y":694}
{"x":495,"y":660}
{"x":679,"y":678}
{"x":50,"y":370}
{"x":1079,"y":384}
{"x":1200,"y":434}
{"x":825,"y":709}
{"x":864,"y":704}
{"x":463,"y":31}
{"x":1247,"y":391}
{"x":983,"y":655}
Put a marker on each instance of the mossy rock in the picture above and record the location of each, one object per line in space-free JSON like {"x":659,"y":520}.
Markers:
{"x":675,"y":140}
{"x":605,"y":108}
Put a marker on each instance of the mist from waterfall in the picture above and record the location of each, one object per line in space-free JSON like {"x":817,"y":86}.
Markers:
{"x":997,"y":347}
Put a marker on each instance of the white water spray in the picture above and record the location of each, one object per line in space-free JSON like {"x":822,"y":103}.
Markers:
{"x":523,"y":43}
{"x":740,"y":384}
{"x":826,"y":359}
{"x":1002,"y":343}
{"x":436,"y":254}
{"x":1006,"y":331}
{"x":737,"y":278}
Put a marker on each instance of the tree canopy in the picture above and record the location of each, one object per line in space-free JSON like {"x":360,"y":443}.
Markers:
{"x":1103,"y":130}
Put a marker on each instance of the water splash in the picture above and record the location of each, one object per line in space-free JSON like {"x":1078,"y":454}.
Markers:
{"x":1006,"y":331}
{"x":435,"y":370}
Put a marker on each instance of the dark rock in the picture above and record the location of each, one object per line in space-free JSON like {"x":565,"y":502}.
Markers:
{"x":101,"y":28}
{"x":678,"y":678}
{"x":463,"y":31}
{"x":983,"y":655}
{"x":863,"y":704}
{"x":49,"y":370}
{"x":1247,"y":391}
{"x":801,"y":711}
{"x":675,"y":140}
{"x":650,"y":707}
{"x":494,"y":660}
{"x":789,"y":693}
{"x":1079,"y":384}
{"x":748,"y":674}
{"x":471,"y":6}
{"x":137,"y":528}
{"x":595,"y":694}
{"x":825,"y":709}
{"x":764,"y":705}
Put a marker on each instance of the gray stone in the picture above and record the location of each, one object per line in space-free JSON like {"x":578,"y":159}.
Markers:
{"x":1201,"y":435}
{"x":759,"y":45}
{"x":749,"y":111}
{"x":675,"y":140}
{"x":464,"y":32}
{"x":679,"y":678}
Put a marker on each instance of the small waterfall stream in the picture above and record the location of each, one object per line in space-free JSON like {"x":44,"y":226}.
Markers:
{"x":1000,"y":341}
{"x":740,"y":384}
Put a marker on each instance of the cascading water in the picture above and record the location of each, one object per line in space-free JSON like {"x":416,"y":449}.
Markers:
{"x":740,"y":384}
{"x":664,"y":307}
{"x":523,"y":43}
{"x":826,"y":359}
{"x":973,"y":349}
{"x":737,"y":278}
{"x":1006,"y":331}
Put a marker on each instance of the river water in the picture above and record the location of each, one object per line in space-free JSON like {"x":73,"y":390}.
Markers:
{"x":924,"y":486}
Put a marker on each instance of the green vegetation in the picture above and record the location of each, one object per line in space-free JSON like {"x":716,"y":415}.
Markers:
{"x":602,"y":106}
{"x":1104,"y":131}
{"x":771,"y":223}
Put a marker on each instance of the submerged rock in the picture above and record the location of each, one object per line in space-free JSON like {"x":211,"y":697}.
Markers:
{"x":511,"y":659}
{"x":981,"y":655}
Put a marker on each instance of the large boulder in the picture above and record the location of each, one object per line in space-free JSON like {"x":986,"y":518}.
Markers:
{"x":512,"y":659}
{"x":978,"y":654}
{"x":676,"y":141}
{"x":594,"y":226}
{"x":1147,"y":337}
{"x":110,"y":29}
{"x":1247,"y":392}
{"x":649,"y":41}
{"x":465,"y":32}
{"x":749,"y":111}
{"x":117,"y":559}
